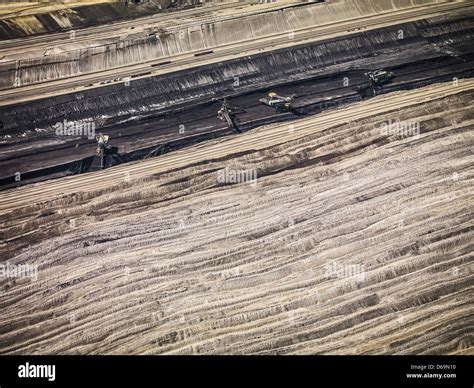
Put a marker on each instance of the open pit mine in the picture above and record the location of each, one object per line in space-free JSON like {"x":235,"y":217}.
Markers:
{"x":237,"y":177}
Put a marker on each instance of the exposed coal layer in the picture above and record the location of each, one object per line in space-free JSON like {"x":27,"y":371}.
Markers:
{"x":150,"y":111}
{"x":133,"y":138}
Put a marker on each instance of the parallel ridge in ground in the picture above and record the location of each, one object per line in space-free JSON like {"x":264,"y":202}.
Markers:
{"x":131,"y":51}
{"x":352,"y":240}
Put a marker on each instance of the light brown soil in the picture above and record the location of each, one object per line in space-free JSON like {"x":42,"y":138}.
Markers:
{"x":351,"y":242}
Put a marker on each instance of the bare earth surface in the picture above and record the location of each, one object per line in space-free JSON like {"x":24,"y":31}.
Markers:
{"x":351,"y":241}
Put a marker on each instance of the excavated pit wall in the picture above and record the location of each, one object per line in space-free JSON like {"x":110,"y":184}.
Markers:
{"x":193,"y":38}
{"x":107,"y":105}
{"x":76,"y":17}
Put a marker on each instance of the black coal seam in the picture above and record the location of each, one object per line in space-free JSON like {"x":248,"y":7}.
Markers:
{"x":9,"y":182}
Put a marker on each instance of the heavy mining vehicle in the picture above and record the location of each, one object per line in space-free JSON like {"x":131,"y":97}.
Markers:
{"x":379,"y":77}
{"x":280,"y":103}
{"x":226,"y":113}
{"x":105,"y":150}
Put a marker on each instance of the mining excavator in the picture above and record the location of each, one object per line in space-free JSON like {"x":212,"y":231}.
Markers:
{"x":227,"y":113}
{"x":376,"y":78}
{"x":379,"y":77}
{"x":104,"y":149}
{"x":280,"y":103}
